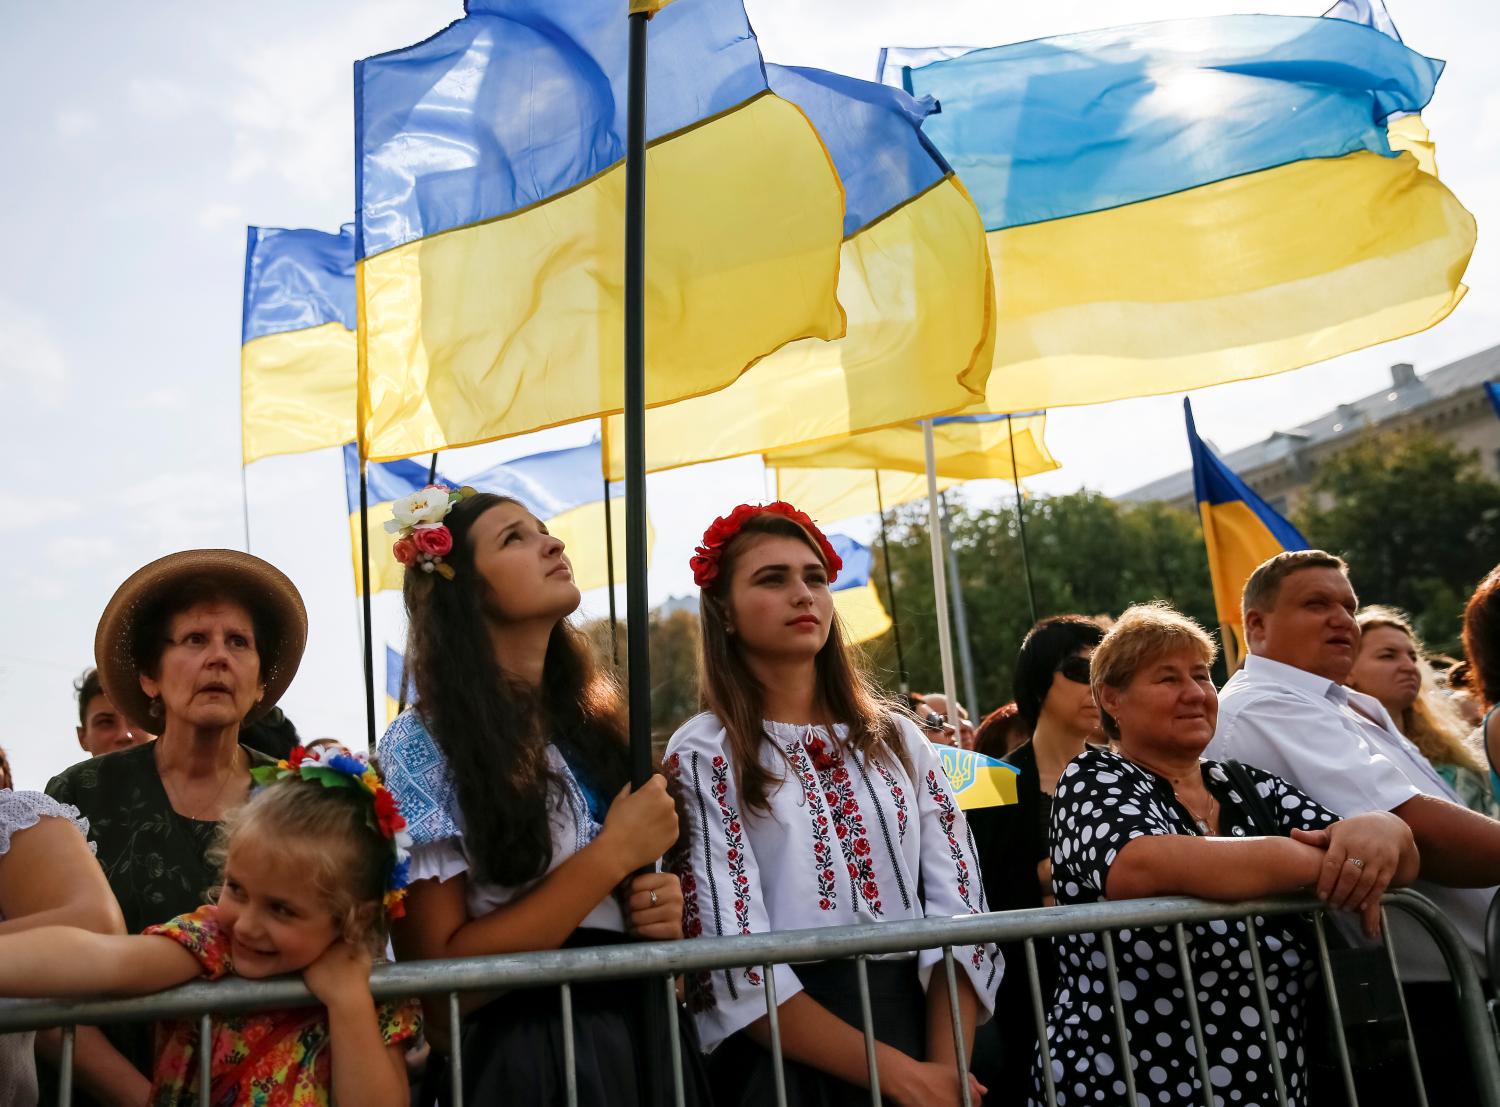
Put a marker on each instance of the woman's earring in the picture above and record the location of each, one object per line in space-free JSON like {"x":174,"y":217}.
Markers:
{"x":154,"y":709}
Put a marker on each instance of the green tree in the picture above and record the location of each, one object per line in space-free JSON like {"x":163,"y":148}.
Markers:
{"x":673,"y":642}
{"x":1417,"y":522}
{"x":1089,"y":555}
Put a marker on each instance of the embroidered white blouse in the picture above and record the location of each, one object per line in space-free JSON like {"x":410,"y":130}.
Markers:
{"x":847,"y":840}
{"x":418,"y":776}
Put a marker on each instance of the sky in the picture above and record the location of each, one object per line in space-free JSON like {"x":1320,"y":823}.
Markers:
{"x":142,"y":138}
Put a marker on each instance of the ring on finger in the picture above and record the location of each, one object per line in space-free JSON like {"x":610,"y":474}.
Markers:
{"x":1356,"y":862}
{"x":654,"y":900}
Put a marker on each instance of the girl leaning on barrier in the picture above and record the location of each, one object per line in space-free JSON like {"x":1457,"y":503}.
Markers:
{"x":1153,"y":818}
{"x":811,"y":803}
{"x":512,"y":772}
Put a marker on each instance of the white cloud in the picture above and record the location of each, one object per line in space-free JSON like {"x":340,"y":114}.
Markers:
{"x":159,"y":98}
{"x":29,"y":353}
{"x":217,"y":215}
{"x":76,"y":122}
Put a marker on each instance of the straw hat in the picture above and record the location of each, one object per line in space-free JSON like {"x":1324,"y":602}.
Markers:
{"x":264,"y":587}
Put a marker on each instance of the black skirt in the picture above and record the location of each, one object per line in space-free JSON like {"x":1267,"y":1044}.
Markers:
{"x":741,"y":1072}
{"x":513,"y":1046}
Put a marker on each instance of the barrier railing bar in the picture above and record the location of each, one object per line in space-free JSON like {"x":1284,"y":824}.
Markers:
{"x":959,"y":1050}
{"x":455,"y":1052}
{"x":674,"y":1035}
{"x":862,"y":973}
{"x":1122,"y":1032}
{"x":65,"y":1069}
{"x":1469,"y":990}
{"x":570,"y":1059}
{"x":1335,"y":1013}
{"x":1411,"y":1039}
{"x":1190,"y":990}
{"x":773,"y":1023}
{"x":205,"y":1058}
{"x":1034,"y":980}
{"x":1263,"y":1002}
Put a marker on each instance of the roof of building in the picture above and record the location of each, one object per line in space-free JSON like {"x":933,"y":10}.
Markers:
{"x":1405,"y":393}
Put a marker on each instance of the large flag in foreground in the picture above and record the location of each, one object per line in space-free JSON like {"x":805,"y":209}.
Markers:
{"x":854,"y":596}
{"x":1178,"y":204}
{"x":297,"y":346}
{"x":1240,"y":531}
{"x":490,"y":219}
{"x":563,"y":488}
{"x":914,"y":279}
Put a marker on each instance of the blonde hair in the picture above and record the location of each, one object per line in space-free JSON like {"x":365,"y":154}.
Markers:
{"x":329,"y":829}
{"x":1142,"y":634}
{"x":1431,"y":723}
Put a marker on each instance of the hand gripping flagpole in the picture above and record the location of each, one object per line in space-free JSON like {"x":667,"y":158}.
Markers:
{"x":939,"y":576}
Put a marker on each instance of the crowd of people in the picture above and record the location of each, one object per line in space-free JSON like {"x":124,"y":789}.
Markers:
{"x":202,"y":839}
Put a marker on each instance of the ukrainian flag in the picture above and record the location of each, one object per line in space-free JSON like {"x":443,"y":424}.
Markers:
{"x":978,"y":780}
{"x":837,"y":480}
{"x":1492,"y":389}
{"x":490,"y":219}
{"x":298,"y":362}
{"x":397,"y":693}
{"x":563,"y":488}
{"x":914,"y":280}
{"x":1240,"y":530}
{"x":1179,"y":204}
{"x":854,"y":597}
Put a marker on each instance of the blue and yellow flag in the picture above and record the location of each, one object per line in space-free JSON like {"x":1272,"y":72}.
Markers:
{"x":1240,"y":530}
{"x":1492,"y":389}
{"x":1179,"y":204}
{"x":562,"y":488}
{"x":914,"y":279}
{"x":298,"y":362}
{"x":490,"y":219}
{"x":977,"y":779}
{"x":854,"y":596}
{"x":397,"y":692}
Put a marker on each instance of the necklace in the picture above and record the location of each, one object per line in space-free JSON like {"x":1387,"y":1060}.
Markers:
{"x":202,"y":812}
{"x":1204,"y":822}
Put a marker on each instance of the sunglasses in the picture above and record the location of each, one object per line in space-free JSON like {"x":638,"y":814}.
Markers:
{"x":1075,"y":669}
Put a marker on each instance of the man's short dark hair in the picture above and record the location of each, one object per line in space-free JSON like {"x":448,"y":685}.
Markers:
{"x":1264,"y":586}
{"x":1047,"y":644}
{"x":86,"y":687}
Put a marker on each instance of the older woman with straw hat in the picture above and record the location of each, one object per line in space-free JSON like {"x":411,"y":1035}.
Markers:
{"x":1151,"y":818}
{"x":191,"y":647}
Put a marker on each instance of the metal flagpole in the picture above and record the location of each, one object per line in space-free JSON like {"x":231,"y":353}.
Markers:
{"x":1015,"y":477}
{"x":890,"y":589}
{"x":939,"y":577}
{"x":432,"y":469}
{"x":960,"y":618}
{"x":364,"y":564}
{"x":609,"y":570}
{"x":245,"y":501}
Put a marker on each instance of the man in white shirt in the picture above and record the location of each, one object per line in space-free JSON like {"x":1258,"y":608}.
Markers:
{"x":1287,"y":712}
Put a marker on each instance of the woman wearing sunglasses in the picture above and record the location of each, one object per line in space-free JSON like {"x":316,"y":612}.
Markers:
{"x":1053,"y":698}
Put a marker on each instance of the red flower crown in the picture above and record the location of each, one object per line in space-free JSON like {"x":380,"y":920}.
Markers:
{"x":705,"y":560}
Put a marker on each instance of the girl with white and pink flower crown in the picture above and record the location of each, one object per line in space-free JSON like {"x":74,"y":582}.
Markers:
{"x":813,"y":802}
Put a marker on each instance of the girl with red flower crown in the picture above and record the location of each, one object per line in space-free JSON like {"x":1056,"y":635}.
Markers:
{"x":814,"y":802}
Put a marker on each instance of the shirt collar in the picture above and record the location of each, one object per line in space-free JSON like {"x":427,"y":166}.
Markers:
{"x":1276,"y":672}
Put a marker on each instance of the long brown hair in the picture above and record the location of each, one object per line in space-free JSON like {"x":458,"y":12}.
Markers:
{"x":1482,"y":638}
{"x":493,"y":732}
{"x":1431,"y":723}
{"x":731,"y":691}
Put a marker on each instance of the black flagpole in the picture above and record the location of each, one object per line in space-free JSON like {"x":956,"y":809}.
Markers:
{"x":364,"y":562}
{"x":609,"y":571}
{"x":1015,"y":476}
{"x":890,"y":587}
{"x":432,"y":469}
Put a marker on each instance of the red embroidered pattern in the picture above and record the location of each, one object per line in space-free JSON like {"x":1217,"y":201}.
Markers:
{"x":822,"y":836}
{"x":734,"y":852}
{"x":948,"y":819}
{"x":898,"y":795}
{"x":848,"y":821}
{"x":699,"y":985}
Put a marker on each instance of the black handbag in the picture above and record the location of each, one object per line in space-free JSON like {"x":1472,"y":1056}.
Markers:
{"x":1369,"y":994}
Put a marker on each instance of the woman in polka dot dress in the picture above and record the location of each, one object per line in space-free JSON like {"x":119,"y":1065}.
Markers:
{"x":1152,"y":818}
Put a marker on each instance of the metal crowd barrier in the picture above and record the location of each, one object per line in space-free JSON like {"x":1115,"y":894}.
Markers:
{"x":563,"y":968}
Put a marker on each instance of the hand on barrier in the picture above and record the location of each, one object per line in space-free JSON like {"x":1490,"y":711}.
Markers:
{"x":655,"y":906}
{"x":340,"y":974}
{"x":926,"y":1084}
{"x":1362,"y":855}
{"x":641,"y":825}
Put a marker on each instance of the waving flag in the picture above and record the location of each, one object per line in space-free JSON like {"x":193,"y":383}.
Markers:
{"x":1179,"y":204}
{"x":854,"y":596}
{"x":978,"y":780}
{"x":490,"y":219}
{"x":1240,"y":530}
{"x":837,"y":480}
{"x":562,"y":488}
{"x":297,"y":345}
{"x":914,"y":279}
{"x":397,"y":692}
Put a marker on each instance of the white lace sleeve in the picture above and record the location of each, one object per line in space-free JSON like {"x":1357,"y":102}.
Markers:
{"x":22,"y":810}
{"x":440,"y":861}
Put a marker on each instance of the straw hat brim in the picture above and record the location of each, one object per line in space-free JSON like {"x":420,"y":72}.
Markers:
{"x":259,"y":583}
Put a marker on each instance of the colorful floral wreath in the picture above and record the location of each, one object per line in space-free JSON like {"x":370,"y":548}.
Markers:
{"x":705,"y":560}
{"x":423,"y":539}
{"x":336,"y":767}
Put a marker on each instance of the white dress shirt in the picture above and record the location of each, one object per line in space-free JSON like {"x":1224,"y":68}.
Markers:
{"x":847,"y":840}
{"x":1341,"y":748}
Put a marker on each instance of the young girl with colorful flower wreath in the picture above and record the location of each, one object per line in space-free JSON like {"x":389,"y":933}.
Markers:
{"x":312,"y":864}
{"x":512,"y":770}
{"x":811,"y":801}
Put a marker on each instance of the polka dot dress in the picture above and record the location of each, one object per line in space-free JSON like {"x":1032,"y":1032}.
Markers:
{"x":1103,"y":801}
